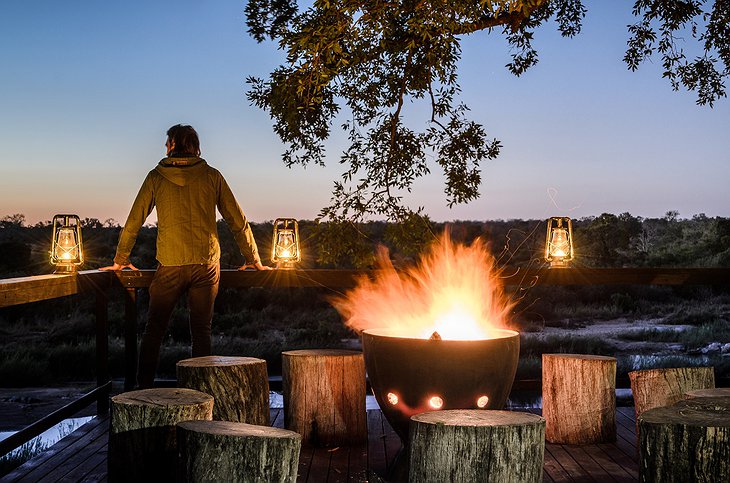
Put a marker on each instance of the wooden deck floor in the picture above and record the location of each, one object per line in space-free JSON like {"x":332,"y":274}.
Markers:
{"x":81,"y":456}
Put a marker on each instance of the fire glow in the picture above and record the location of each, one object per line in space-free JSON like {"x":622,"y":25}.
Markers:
{"x":453,"y":293}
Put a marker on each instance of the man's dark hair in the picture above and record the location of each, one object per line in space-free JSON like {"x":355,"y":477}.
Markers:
{"x":185,"y":140}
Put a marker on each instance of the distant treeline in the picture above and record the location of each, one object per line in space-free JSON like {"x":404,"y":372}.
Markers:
{"x":607,"y":240}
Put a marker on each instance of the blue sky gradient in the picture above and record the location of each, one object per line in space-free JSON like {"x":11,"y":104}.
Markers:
{"x":88,"y":89}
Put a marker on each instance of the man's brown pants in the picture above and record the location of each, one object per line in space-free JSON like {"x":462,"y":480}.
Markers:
{"x":168,"y":285}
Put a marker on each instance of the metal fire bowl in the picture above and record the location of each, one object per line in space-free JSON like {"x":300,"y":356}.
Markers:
{"x":457,"y":371}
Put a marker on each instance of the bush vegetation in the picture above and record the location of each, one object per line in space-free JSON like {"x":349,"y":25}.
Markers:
{"x":53,"y":341}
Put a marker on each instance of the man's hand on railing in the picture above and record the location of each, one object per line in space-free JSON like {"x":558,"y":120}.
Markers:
{"x":116,"y":267}
{"x":257,"y":266}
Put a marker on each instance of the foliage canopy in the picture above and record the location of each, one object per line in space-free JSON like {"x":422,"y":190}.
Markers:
{"x":373,"y":57}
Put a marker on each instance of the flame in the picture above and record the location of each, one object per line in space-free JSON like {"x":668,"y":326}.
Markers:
{"x":454,"y":290}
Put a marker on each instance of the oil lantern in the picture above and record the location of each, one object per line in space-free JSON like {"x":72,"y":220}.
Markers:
{"x":285,"y":250}
{"x":67,"y":250}
{"x":559,"y":241}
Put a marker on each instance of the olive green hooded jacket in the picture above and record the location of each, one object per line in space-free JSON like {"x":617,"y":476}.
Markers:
{"x":186,"y":191}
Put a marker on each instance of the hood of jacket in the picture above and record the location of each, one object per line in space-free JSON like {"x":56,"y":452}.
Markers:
{"x":181,"y":170}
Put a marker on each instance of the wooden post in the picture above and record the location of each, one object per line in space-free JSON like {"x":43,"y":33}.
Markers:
{"x":142,"y":441}
{"x":130,"y":339}
{"x":475,"y":445}
{"x":239,"y":385}
{"x":227,"y":451}
{"x":101,"y":314}
{"x":324,"y":395}
{"x":579,"y":398}
{"x":686,"y":442}
{"x":653,"y":388}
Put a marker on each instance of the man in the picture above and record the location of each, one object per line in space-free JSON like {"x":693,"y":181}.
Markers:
{"x":186,"y":192}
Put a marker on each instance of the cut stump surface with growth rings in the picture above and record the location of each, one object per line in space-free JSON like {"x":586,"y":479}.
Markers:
{"x":714,"y":392}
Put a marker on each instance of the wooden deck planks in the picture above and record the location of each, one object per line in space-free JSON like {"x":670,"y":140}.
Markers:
{"x":626,"y":438}
{"x":621,"y":459}
{"x":553,"y":470}
{"x":376,"y":443}
{"x":305,"y":461}
{"x":588,"y":464}
{"x":38,"y":468}
{"x":82,"y":455}
{"x":98,"y":474}
{"x":339,"y":464}
{"x":608,"y":464}
{"x":319,"y":466}
{"x":77,"y":465}
{"x":392,"y":441}
{"x":572,"y":469}
{"x":358,"y":470}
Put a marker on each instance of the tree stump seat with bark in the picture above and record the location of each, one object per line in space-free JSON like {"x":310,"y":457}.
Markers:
{"x":324,"y":395}
{"x":653,"y":388}
{"x":686,"y":442}
{"x":240,"y":386}
{"x":142,"y":438}
{"x":230,"y":451}
{"x":475,"y":445}
{"x":579,"y":398}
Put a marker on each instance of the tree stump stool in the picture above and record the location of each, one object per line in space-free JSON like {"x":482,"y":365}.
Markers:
{"x":714,"y":392}
{"x":653,"y":388}
{"x":470,"y":445}
{"x":686,"y":442}
{"x":228,"y":451}
{"x":142,"y":441}
{"x":239,"y":385}
{"x":324,"y":395}
{"x":579,"y":398}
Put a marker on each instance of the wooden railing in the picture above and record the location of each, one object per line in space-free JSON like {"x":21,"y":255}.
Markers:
{"x":17,"y":291}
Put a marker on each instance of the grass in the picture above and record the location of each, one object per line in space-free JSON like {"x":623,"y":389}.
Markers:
{"x":696,"y":337}
{"x":43,"y":363}
{"x":625,"y":364}
{"x":534,"y":345}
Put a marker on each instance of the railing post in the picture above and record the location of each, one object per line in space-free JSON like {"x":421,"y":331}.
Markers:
{"x":102,"y":349}
{"x":130,"y":339}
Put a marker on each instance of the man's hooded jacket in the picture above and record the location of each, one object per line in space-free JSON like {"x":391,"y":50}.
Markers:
{"x":186,"y":192}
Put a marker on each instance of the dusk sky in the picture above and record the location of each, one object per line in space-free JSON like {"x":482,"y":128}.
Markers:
{"x":88,"y":89}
